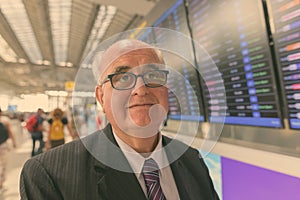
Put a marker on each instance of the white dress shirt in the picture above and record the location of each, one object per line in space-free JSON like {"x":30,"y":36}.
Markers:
{"x":136,"y":162}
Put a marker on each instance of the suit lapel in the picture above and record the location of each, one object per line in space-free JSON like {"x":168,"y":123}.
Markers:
{"x":191,"y":182}
{"x":115,"y":179}
{"x":178,"y":173}
{"x":177,"y":167}
{"x":115,"y":185}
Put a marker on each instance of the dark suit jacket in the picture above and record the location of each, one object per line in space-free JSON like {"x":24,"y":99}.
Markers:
{"x":73,"y":171}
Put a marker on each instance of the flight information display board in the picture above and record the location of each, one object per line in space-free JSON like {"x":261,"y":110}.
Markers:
{"x":185,"y":100}
{"x":233,"y":33}
{"x":286,"y":20}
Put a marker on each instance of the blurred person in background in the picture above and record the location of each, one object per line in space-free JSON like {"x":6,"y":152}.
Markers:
{"x":35,"y":127}
{"x":5,"y":133}
{"x":56,"y":134}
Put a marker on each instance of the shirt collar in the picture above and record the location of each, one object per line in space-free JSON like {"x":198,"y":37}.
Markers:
{"x":136,"y":160}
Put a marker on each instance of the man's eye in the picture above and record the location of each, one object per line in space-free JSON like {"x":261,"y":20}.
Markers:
{"x":125,"y":78}
{"x":153,"y":75}
{"x":121,"y":78}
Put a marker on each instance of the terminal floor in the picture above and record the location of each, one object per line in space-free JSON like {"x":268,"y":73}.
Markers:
{"x":16,"y":158}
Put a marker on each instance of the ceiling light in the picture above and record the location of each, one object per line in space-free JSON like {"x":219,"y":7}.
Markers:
{"x":68,"y":64}
{"x":56,"y":93}
{"x":46,"y":62}
{"x":83,"y":94}
{"x":62,"y":64}
{"x":22,"y":60}
{"x":39,"y":62}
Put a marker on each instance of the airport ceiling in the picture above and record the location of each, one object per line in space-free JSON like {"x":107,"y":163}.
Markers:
{"x":43,"y":42}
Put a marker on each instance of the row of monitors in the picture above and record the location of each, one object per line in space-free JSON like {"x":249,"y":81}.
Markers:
{"x":253,"y":45}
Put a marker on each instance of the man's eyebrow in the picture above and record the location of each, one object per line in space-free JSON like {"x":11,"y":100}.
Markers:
{"x":121,"y":69}
{"x":151,"y":66}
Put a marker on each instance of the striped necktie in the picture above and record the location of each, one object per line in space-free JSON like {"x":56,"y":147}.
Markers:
{"x":151,"y":177}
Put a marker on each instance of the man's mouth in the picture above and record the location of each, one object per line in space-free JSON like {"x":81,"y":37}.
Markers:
{"x":141,"y":105}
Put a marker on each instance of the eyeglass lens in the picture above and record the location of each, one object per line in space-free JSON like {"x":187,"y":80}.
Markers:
{"x":128,"y":80}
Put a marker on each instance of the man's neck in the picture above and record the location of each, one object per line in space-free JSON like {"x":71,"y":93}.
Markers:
{"x":140,"y":145}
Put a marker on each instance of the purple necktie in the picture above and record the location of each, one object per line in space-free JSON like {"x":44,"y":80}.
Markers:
{"x":151,"y":177}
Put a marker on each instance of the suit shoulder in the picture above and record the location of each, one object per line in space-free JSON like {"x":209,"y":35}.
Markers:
{"x":180,"y":148}
{"x":62,"y":153}
{"x":72,"y":152}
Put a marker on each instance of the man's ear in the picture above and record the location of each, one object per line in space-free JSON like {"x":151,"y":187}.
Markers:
{"x":99,"y":96}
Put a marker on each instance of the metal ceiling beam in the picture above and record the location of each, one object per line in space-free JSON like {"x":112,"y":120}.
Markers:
{"x":38,"y":13}
{"x":119,"y":23}
{"x":10,"y":37}
{"x":37,"y":78}
{"x":7,"y":88}
{"x":1,"y":59}
{"x":131,"y":6}
{"x":8,"y":84}
{"x":134,"y":22}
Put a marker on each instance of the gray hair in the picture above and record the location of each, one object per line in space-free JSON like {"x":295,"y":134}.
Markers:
{"x":103,"y":59}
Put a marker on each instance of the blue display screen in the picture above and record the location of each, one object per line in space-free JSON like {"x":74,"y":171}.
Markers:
{"x":234,"y":34}
{"x":286,"y":20}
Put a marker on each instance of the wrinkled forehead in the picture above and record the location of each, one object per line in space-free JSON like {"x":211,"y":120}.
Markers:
{"x":134,"y":58}
{"x":128,"y":51}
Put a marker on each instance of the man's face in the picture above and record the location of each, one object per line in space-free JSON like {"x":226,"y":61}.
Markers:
{"x":139,"y":107}
{"x":40,"y":112}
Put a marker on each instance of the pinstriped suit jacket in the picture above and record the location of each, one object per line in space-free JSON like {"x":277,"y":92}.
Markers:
{"x":73,"y":171}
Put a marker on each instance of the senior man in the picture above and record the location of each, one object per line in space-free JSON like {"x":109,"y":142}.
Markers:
{"x":130,"y":158}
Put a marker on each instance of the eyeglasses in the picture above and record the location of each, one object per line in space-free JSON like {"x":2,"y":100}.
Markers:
{"x":127,"y":80}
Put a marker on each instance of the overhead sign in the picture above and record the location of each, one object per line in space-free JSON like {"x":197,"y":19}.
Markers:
{"x":69,"y":85}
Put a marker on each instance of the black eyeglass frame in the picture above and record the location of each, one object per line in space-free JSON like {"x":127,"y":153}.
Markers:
{"x":110,"y":77}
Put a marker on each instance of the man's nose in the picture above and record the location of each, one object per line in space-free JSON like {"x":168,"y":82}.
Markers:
{"x":140,"y":88}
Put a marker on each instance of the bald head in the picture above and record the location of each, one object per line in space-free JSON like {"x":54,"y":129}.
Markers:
{"x":103,"y":60}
